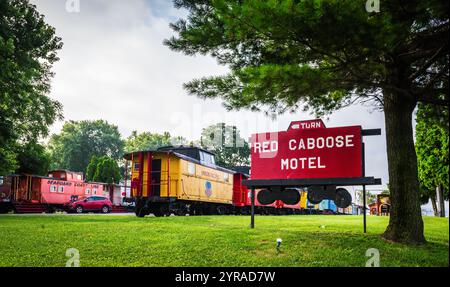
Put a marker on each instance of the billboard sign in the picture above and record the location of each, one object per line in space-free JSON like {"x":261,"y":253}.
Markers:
{"x":307,"y":150}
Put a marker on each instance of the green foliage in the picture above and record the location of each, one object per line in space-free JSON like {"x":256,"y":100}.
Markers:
{"x":92,"y":168}
{"x":226,"y":143}
{"x":106,"y":170}
{"x":321,"y":55}
{"x":28,"y":48}
{"x":33,"y":158}
{"x":74,"y":147}
{"x":150,"y":141}
{"x":432,"y":138}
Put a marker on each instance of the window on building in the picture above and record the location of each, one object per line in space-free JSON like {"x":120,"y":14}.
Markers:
{"x":226,"y":177}
{"x":79,"y":177}
{"x":136,"y":166}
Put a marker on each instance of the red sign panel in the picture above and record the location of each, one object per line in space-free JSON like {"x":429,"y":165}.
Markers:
{"x":308,"y":152}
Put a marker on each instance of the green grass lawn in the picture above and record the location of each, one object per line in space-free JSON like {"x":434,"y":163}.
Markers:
{"x":212,"y":241}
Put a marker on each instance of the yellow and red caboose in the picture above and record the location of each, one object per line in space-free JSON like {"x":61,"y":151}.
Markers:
{"x":186,"y":180}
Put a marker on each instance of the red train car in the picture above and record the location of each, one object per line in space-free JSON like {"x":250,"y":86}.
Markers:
{"x":242,"y":198}
{"x":35,"y":194}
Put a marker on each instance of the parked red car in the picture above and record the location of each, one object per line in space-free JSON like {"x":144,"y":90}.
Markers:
{"x":90,"y":204}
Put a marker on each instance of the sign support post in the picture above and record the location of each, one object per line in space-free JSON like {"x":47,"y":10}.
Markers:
{"x":252,"y":224}
{"x":364,"y":188}
{"x":364,"y":209}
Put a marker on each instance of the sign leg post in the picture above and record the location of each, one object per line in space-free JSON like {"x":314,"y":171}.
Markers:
{"x":364,"y":209}
{"x":252,"y":223}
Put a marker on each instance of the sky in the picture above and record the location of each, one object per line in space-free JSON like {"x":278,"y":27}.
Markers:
{"x":114,"y":66}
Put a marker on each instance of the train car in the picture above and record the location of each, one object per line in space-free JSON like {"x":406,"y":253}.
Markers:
{"x":186,"y":180}
{"x":35,"y":194}
{"x":182,"y":181}
{"x":328,"y":207}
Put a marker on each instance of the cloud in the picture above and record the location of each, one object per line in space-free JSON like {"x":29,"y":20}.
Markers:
{"x":114,"y":66}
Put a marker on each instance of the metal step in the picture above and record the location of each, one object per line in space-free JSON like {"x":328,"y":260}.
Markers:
{"x":119,"y":209}
{"x":29,"y":208}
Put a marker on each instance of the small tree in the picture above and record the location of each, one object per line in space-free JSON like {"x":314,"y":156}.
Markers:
{"x":107,"y":171}
{"x":92,"y":168}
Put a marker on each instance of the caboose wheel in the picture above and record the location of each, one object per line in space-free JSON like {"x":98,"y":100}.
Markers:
{"x":141,"y":212}
{"x":221,"y":210}
{"x":314,"y":197}
{"x":343,"y":198}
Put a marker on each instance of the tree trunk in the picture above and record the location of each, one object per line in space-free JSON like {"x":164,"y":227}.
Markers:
{"x":405,"y":223}
{"x":433,"y":203}
{"x":440,"y":196}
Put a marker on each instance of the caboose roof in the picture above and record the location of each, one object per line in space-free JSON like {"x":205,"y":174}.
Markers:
{"x":182,"y":152}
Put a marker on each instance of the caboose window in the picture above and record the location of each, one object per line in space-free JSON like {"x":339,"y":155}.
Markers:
{"x":191,"y":168}
{"x":87,"y":191}
{"x":1,"y":180}
{"x":53,"y":188}
{"x":94,"y":191}
{"x":61,"y":189}
{"x":136,"y":166}
{"x":207,"y":158}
